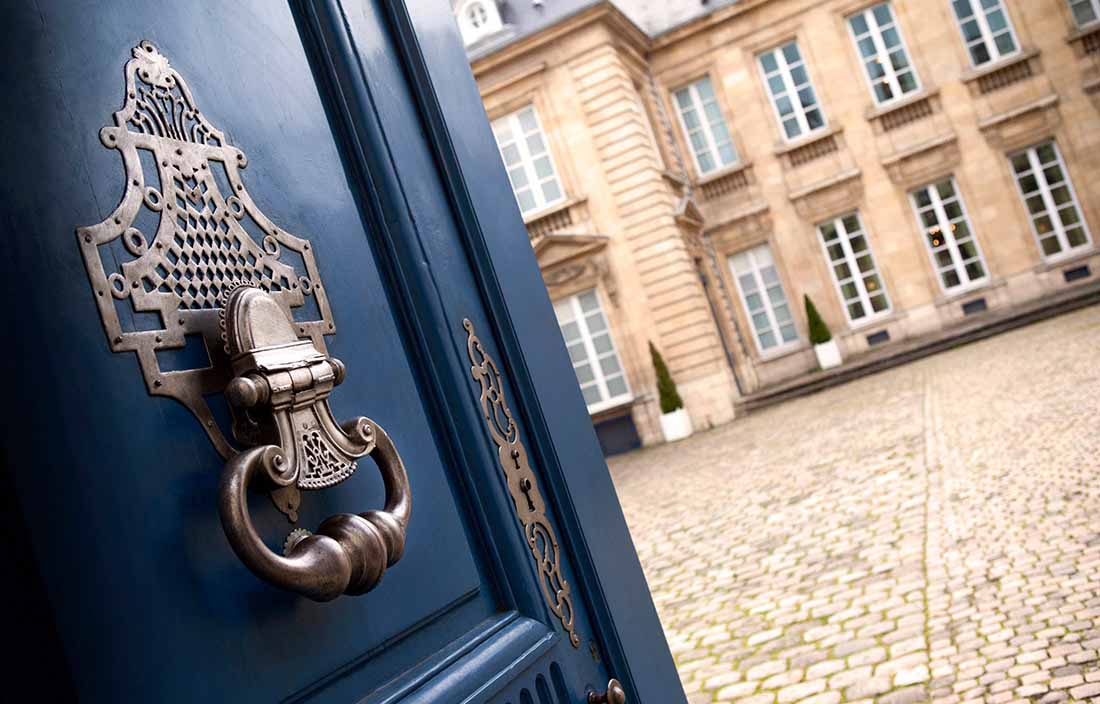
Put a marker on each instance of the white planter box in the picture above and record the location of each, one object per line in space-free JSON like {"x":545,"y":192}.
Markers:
{"x":676,"y":425}
{"x":828,"y":354}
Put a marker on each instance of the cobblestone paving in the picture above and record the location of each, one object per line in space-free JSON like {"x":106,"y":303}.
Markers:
{"x":931,"y":533}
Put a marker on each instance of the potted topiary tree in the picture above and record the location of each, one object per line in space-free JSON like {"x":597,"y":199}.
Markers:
{"x":675,"y":422}
{"x":825,"y":347}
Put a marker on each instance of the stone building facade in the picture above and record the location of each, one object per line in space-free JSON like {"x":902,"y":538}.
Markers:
{"x":688,"y":172}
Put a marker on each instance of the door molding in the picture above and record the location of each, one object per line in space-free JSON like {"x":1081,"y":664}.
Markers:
{"x":533,"y":359}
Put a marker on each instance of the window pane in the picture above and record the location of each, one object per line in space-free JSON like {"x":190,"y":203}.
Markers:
{"x":1048,"y":196}
{"x":704,"y":126}
{"x":609,"y":365}
{"x":551,"y":191}
{"x":755,"y":270}
{"x":523,"y":150}
{"x":788,"y":84}
{"x":595,"y":361}
{"x":852,"y":253}
{"x":617,"y":387}
{"x":979,"y":54}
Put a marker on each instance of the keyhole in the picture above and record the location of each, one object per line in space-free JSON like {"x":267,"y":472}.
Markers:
{"x":525,"y":487}
{"x":524,"y":484}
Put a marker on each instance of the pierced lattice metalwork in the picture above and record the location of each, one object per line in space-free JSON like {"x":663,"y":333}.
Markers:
{"x":207,"y":236}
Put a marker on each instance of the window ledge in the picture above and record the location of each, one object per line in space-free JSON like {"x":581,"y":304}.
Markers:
{"x":883,"y":318}
{"x":875,"y":112}
{"x":786,"y":351}
{"x":962,"y":292}
{"x":612,"y":408}
{"x":551,"y":209}
{"x":1069,"y":258}
{"x":822,"y":133}
{"x":1085,"y":40}
{"x":722,"y":173}
{"x":973,"y":74}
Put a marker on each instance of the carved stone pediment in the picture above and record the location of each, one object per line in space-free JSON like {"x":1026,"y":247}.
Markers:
{"x":740,"y":231}
{"x":571,"y":263}
{"x":825,"y":198}
{"x":924,"y":162}
{"x":1023,"y":126}
{"x":687,"y":214}
{"x":552,"y":250}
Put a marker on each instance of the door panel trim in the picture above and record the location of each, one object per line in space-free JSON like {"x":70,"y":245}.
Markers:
{"x":563,"y":442}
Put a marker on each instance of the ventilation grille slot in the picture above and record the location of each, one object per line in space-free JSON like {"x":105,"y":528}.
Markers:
{"x":547,"y":687}
{"x":978,"y":305}
{"x":1076,"y":273}
{"x":877,"y":338}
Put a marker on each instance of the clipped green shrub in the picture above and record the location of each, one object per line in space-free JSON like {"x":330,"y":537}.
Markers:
{"x":819,"y":331}
{"x":666,"y":387}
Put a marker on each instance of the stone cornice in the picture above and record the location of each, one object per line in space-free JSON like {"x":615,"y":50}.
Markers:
{"x":620,"y":26}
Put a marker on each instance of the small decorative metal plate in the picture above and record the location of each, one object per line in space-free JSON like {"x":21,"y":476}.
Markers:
{"x":205,"y":236}
{"x":522,"y":484}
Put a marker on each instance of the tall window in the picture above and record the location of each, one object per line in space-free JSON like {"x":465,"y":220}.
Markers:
{"x":1050,"y":200}
{"x":763,"y":297}
{"x":986,"y":29}
{"x":947,"y":232}
{"x":792,"y":95}
{"x":1085,"y":12}
{"x":704,"y":127}
{"x":595,"y":361}
{"x":882,"y":52}
{"x":853,"y":267}
{"x":527,"y":158}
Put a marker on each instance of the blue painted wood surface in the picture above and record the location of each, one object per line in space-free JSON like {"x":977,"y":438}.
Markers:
{"x":365,"y":134}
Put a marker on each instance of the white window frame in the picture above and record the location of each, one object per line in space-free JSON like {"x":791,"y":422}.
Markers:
{"x":527,"y":161}
{"x":490,"y":20}
{"x":943,"y":222}
{"x":870,"y":314}
{"x":592,"y":357}
{"x":704,"y":127}
{"x":1094,"y":4}
{"x":784,"y":71}
{"x":1051,"y":210}
{"x":980,"y":16}
{"x":882,"y":54}
{"x":781,"y":346}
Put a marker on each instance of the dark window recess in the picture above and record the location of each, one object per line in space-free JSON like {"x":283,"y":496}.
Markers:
{"x":1077,"y":272}
{"x":978,"y":305}
{"x":618,"y":435}
{"x":878,"y":338}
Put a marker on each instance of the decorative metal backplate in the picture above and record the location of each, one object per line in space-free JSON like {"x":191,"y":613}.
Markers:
{"x":206,"y":239}
{"x":530,"y":508}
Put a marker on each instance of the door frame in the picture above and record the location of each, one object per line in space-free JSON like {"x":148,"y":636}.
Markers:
{"x":562,"y":440}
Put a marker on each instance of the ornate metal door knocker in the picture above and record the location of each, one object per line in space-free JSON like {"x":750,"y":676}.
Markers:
{"x":200,"y":274}
{"x":281,"y":385}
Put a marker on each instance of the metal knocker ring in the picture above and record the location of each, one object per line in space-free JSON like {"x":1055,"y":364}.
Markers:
{"x":280,"y":391}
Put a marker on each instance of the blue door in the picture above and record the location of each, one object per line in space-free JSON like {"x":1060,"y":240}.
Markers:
{"x":206,"y":205}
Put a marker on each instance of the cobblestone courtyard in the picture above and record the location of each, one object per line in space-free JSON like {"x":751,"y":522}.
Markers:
{"x":930,"y":533}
